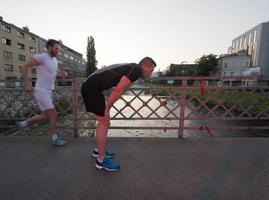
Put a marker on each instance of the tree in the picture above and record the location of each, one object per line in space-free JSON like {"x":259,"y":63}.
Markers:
{"x":91,"y":60}
{"x":207,"y":64}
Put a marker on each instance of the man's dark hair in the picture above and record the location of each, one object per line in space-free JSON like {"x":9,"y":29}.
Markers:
{"x":51,"y":43}
{"x":147,"y":59}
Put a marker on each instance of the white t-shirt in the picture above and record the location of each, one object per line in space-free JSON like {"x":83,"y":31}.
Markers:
{"x":46,"y":71}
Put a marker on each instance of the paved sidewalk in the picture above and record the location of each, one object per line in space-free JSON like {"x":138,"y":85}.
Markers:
{"x":151,"y":168}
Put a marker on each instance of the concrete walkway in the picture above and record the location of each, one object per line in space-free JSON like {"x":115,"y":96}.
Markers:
{"x":159,"y":169}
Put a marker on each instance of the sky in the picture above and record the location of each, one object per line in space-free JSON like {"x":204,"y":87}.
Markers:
{"x":169,"y":31}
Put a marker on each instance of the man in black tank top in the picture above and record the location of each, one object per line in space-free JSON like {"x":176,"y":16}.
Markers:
{"x":119,"y":76}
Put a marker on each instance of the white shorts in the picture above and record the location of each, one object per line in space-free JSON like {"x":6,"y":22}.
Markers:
{"x":43,"y":99}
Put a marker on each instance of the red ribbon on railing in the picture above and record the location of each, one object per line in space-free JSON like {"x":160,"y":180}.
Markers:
{"x":206,"y":128}
{"x":163,"y":103}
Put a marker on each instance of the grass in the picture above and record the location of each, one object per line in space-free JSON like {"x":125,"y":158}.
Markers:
{"x":239,"y":100}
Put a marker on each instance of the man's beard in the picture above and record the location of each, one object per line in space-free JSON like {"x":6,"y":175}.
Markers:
{"x":53,"y":54}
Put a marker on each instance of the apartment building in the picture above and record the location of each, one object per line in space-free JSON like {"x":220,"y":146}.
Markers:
{"x":17,"y":45}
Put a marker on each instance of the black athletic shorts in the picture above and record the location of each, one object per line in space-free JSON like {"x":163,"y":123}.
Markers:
{"x":104,"y":79}
{"x":94,"y":100}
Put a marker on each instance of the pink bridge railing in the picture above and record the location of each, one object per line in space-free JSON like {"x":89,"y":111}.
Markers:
{"x":207,"y":105}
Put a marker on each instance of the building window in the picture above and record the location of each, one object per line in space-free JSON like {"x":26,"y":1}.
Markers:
{"x":32,"y":49}
{"x":233,"y":47}
{"x":245,"y":42}
{"x":225,"y":64}
{"x":232,"y":73}
{"x":255,"y":35}
{"x":7,"y":55}
{"x":32,"y":39}
{"x":44,"y":49}
{"x":20,"y":68}
{"x":237,"y":43}
{"x":8,"y":68}
{"x":6,"y":28}
{"x":33,"y":70}
{"x":21,"y":57}
{"x":11,"y":77}
{"x":224,"y":73}
{"x":6,"y":41}
{"x":20,"y":34}
{"x":249,"y":39}
{"x":21,"y":46}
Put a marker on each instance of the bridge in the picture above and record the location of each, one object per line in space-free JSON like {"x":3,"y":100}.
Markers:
{"x":199,"y":158}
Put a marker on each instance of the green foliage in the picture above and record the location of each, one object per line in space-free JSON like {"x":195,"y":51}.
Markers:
{"x":91,"y":59}
{"x":64,"y":104}
{"x":206,"y":65}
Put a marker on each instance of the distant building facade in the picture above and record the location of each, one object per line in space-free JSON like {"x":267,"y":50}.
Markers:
{"x":17,"y":45}
{"x":234,"y":64}
{"x":256,"y":43}
{"x":181,"y":70}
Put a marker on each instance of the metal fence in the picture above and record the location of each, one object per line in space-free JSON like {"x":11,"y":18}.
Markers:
{"x":198,"y":104}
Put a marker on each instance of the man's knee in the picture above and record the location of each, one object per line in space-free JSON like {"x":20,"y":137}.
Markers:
{"x":44,"y":115}
{"x":51,"y":113}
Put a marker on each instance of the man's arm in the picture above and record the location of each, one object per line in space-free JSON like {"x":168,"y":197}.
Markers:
{"x":118,"y":90}
{"x":27,"y":83}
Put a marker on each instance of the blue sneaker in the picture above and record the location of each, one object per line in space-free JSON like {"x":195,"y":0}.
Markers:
{"x":59,"y":142}
{"x":108,"y":153}
{"x":21,"y":125}
{"x":107,"y":164}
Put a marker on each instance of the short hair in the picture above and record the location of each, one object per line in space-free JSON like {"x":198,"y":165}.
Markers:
{"x":147,"y":59}
{"x":51,"y":43}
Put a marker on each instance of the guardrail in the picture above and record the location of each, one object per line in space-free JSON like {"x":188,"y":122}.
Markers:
{"x":187,"y":103}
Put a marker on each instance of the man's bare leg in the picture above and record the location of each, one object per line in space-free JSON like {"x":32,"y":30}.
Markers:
{"x":101,"y":134}
{"x":52,"y":116}
{"x":103,"y":162}
{"x":24,"y":124}
{"x":42,"y":116}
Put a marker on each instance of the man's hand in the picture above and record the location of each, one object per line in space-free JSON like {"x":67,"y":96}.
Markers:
{"x":28,"y":86}
{"x":62,"y":74}
{"x":107,"y":113}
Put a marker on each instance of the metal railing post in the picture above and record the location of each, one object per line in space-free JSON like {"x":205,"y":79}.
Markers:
{"x":75,"y":107}
{"x":182,"y":105}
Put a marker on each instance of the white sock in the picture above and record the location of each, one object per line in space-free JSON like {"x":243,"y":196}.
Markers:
{"x":99,"y":160}
{"x":54,"y":137}
{"x":24,"y":123}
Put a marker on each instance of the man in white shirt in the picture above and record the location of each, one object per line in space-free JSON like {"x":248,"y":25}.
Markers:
{"x":46,"y":65}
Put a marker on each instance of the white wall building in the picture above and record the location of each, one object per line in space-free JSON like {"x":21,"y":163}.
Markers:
{"x":234,"y":64}
{"x":256,"y":42}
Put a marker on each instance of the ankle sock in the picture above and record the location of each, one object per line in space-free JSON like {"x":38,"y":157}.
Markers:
{"x":24,"y":123}
{"x":54,"y":137}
